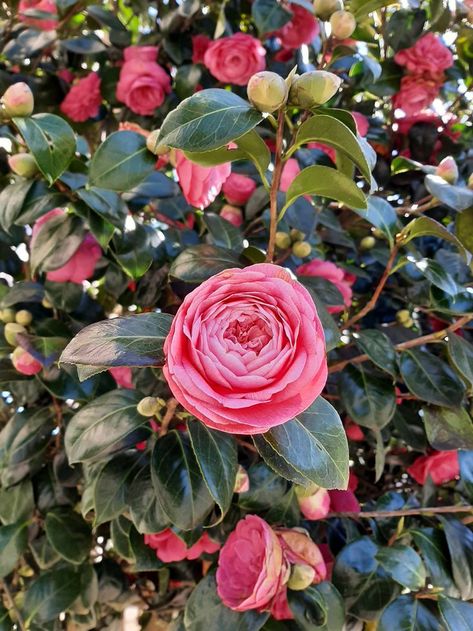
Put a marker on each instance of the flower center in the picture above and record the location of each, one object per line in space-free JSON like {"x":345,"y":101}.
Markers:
{"x":250,"y":331}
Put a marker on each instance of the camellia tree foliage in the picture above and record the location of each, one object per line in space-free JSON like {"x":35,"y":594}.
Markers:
{"x":236,"y":340}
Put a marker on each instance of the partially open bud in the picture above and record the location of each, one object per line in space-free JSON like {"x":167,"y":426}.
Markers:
{"x":242,"y":481}
{"x":24,"y":317}
{"x":301,"y":249}
{"x":403,"y":315}
{"x":24,"y":362}
{"x":11,"y":330}
{"x":23,"y":164}
{"x":324,"y":8}
{"x":313,"y":88}
{"x":152,"y":144}
{"x":232,"y":214}
{"x":301,"y":577}
{"x":149,"y":406}
{"x":447,"y":170}
{"x":18,"y":100}
{"x":314,"y":506}
{"x":7,"y":315}
{"x":367,"y":243}
{"x":343,"y":24}
{"x":267,"y":91}
{"x":283,"y":240}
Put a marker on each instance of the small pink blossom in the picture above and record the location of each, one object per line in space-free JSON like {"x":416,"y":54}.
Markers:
{"x":238,"y":188}
{"x":170,"y":548}
{"x":315,"y":506}
{"x":441,"y":466}
{"x":301,"y":29}
{"x":290,"y":170}
{"x":200,"y":43}
{"x":84,"y":99}
{"x":42,"y":6}
{"x":232,"y":214}
{"x":235,"y":59}
{"x":427,"y":56}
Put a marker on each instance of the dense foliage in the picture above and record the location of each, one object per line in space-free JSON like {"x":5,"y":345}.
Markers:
{"x":181,"y":263}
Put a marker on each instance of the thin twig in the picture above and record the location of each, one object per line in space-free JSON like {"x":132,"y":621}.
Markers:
{"x":273,"y":194}
{"x":167,"y":418}
{"x":19,"y":619}
{"x":405,"y":512}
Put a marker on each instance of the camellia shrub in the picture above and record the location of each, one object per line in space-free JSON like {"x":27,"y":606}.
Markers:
{"x":236,"y":341}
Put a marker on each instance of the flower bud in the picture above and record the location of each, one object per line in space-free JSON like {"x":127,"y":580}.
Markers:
{"x":18,"y":100}
{"x":151,"y":144}
{"x":283,"y":240}
{"x":232,"y":214}
{"x":7,"y":315}
{"x":297,"y":235}
{"x":301,"y":576}
{"x":10,"y":332}
{"x":149,"y":406}
{"x":315,"y":506}
{"x":267,"y":91}
{"x":23,"y":164}
{"x":24,"y":317}
{"x":403,"y":315}
{"x":447,"y":170}
{"x":367,"y":243}
{"x":47,"y":304}
{"x":301,"y":249}
{"x":324,"y":8}
{"x":313,"y":88}
{"x":343,"y":24}
{"x":242,"y":481}
{"x":470,"y":181}
{"x":24,"y":362}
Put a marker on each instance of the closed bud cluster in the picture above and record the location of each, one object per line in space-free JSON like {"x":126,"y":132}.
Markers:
{"x":267,"y":91}
{"x":343,"y":24}
{"x":324,"y":8}
{"x":152,"y":144}
{"x":23,"y":164}
{"x":313,"y":88}
{"x":18,"y":100}
{"x":447,"y":170}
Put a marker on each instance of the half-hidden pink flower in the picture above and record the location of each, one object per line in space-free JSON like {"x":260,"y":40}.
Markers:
{"x":246,"y":350}
{"x":427,"y":56}
{"x":251,"y":569}
{"x":334,"y":274}
{"x":316,"y":505}
{"x":205,"y":545}
{"x":238,"y":188}
{"x":301,"y":29}
{"x":83,"y":99}
{"x":329,"y":151}
{"x":416,"y":93}
{"x":235,"y":59}
{"x":41,"y":6}
{"x":143,"y":84}
{"x":290,"y":169}
{"x":232,"y":214}
{"x":170,"y":548}
{"x":122,"y":376}
{"x":343,"y":502}
{"x":82,"y":263}
{"x":200,"y":43}
{"x":66,"y":75}
{"x":200,"y":185}
{"x":25,"y":363}
{"x":353,"y":431}
{"x":441,"y":466}
{"x":362,"y":123}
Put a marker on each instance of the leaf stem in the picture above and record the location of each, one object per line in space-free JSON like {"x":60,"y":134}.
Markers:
{"x":406,"y":512}
{"x":19,"y":619}
{"x":273,"y":193}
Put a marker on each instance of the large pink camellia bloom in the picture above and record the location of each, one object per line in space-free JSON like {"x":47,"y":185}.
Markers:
{"x":246,"y":350}
{"x":83,"y":99}
{"x":416,"y":93}
{"x":301,"y":29}
{"x":170,"y":548}
{"x":251,"y":569}
{"x":441,"y":466}
{"x":428,"y":55}
{"x":200,"y":185}
{"x":235,"y":59}
{"x":82,"y":263}
{"x":336,"y":275}
{"x":38,"y":6}
{"x":143,"y":84}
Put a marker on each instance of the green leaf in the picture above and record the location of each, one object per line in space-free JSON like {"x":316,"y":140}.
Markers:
{"x":208,"y":120}
{"x":361,"y":8}
{"x":121,"y":162}
{"x":133,"y":249}
{"x":409,"y":614}
{"x":324,"y":182}
{"x":369,"y":400}
{"x":51,"y":593}
{"x":145,"y":557}
{"x":43,"y":553}
{"x":460,"y":544}
{"x":404,"y":565}
{"x":456,"y":614}
{"x":456,"y":197}
{"x":12,"y":198}
{"x":56,"y":242}
{"x":217,"y":458}
{"x":437,"y":275}
{"x":206,"y":612}
{"x":433,"y":547}
{"x":460,"y":352}
{"x":269,"y":15}
{"x":426,"y":227}
{"x":16,"y":502}
{"x":379,"y":349}
{"x":312,"y":447}
{"x":13,"y":542}
{"x":328,"y":293}
{"x":60,"y":524}
{"x":145,"y":510}
{"x":178,"y":482}
{"x":430,"y":379}
{"x":382,"y":215}
{"x":223,"y":233}
{"x":132,"y":341}
{"x":267,"y":489}
{"x":448,"y":428}
{"x":334,"y":133}
{"x":200,"y":262}
{"x":51,"y":141}
{"x":108,"y":204}
{"x":464,"y":228}
{"x":23,"y":291}
{"x":120,"y":534}
{"x":318,"y":607}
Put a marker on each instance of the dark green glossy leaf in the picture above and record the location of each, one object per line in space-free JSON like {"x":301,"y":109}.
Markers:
{"x":369,"y":400}
{"x":23,"y":291}
{"x":433,"y":547}
{"x":409,"y":614}
{"x":11,"y":202}
{"x":430,"y":379}
{"x":51,"y":593}
{"x":59,"y":525}
{"x":461,"y":355}
{"x":56,"y":242}
{"x":448,"y":428}
{"x":456,"y":614}
{"x":120,"y":533}
{"x":145,"y":557}
{"x":269,"y":15}
{"x":13,"y":541}
{"x":312,"y":447}
{"x":404,"y":565}
{"x":133,"y":249}
{"x":200,"y":262}
{"x":318,"y":599}
{"x":107,"y":204}
{"x":466,"y":473}
{"x":379,"y":349}
{"x":223,"y":233}
{"x":145,"y":510}
{"x":16,"y":502}
{"x":426,"y":226}
{"x":43,"y":552}
{"x":460,"y":544}
{"x":323,"y":288}
{"x":330,"y":327}
{"x":267,"y":489}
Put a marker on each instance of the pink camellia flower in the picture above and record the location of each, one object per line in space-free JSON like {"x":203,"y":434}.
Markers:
{"x":290,"y":170}
{"x":122,"y":375}
{"x":330,"y":151}
{"x":441,"y":466}
{"x":246,"y":350}
{"x":42,"y":6}
{"x":428,"y":56}
{"x":251,"y":569}
{"x":204,"y":545}
{"x":301,"y":29}
{"x":232,"y":214}
{"x":143,"y":84}
{"x":353,"y":431}
{"x":200,"y":43}
{"x":448,"y":170}
{"x":336,"y":275}
{"x":170,"y":548}
{"x":316,"y":505}
{"x":83,"y":99}
{"x":235,"y":59}
{"x":82,"y":263}
{"x":25,"y":363}
{"x":362,"y":123}
{"x":415,"y":94}
{"x":238,"y":188}
{"x":66,"y":75}
{"x":200,"y":185}
{"x":343,"y":502}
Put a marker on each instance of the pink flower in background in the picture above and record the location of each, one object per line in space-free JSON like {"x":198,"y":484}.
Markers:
{"x":84,"y":99}
{"x":170,"y":548}
{"x":334,"y":274}
{"x":200,"y":43}
{"x":315,"y":506}
{"x":343,"y":502}
{"x":441,"y":466}
{"x":205,"y":545}
{"x":251,"y":569}
{"x":353,"y":431}
{"x":82,"y":263}
{"x":232,"y":214}
{"x":25,"y":363}
{"x":301,"y":29}
{"x":200,"y":185}
{"x":66,"y":75}
{"x":427,"y":56}
{"x":362,"y":123}
{"x":238,"y":188}
{"x":143,"y":84}
{"x":290,"y":169}
{"x":330,"y":151}
{"x":235,"y":59}
{"x":246,"y":350}
{"x":43,"y":6}
{"x":122,"y":375}
{"x":416,"y":93}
